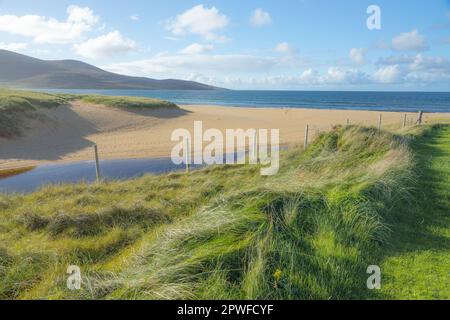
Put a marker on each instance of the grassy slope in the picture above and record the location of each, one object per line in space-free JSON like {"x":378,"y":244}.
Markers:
{"x":17,"y":105}
{"x":123,"y":102}
{"x":417,"y":263}
{"x":309,"y":232}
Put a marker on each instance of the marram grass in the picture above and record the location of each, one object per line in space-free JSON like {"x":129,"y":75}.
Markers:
{"x":219,"y":233}
{"x":18,"y":106}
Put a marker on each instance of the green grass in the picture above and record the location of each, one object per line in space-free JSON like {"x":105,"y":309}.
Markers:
{"x":417,"y":261}
{"x":123,"y":102}
{"x":226,"y":232}
{"x":16,"y":106}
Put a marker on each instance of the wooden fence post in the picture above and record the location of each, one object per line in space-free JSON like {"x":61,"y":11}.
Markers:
{"x":419,"y":118}
{"x":380,"y":117}
{"x":306,"y":136}
{"x":97,"y":164}
{"x":404,"y":121}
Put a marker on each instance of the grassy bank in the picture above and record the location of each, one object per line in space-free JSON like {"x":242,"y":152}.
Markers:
{"x":225,"y":232}
{"x":17,"y":106}
{"x":122,"y":102}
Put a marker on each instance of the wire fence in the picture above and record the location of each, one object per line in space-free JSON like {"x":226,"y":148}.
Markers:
{"x":94,"y":153}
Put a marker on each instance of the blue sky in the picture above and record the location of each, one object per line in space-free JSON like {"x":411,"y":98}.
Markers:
{"x":286,"y":45}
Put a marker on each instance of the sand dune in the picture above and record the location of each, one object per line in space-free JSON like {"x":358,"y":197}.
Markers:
{"x":68,"y":133}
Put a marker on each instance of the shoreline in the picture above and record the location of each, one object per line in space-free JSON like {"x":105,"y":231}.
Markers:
{"x":235,"y":106}
{"x":70,"y":131}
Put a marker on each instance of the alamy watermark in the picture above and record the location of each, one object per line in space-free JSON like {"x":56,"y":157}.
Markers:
{"x":212,"y":147}
{"x":74,"y":278}
{"x":374,"y":281}
{"x":374,"y":19}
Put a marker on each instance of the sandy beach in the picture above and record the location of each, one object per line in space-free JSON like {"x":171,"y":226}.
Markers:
{"x":69,"y":132}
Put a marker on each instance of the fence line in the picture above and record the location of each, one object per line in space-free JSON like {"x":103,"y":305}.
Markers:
{"x":406,"y":121}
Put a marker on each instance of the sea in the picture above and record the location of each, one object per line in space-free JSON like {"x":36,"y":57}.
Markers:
{"x":347,"y":100}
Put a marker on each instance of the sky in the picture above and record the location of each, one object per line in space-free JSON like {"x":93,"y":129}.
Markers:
{"x":262,"y":45}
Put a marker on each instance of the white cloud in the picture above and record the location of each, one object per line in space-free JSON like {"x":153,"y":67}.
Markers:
{"x":430,"y":64}
{"x":50,"y":30}
{"x":134,"y":17}
{"x":105,"y":46}
{"x":336,"y":75}
{"x":410,"y":41}
{"x":389,"y":74}
{"x":13,"y":46}
{"x":418,"y":68}
{"x":285,"y":48}
{"x":183,"y":64}
{"x":199,"y":21}
{"x":197,"y":48}
{"x":358,"y":55}
{"x":81,"y":15}
{"x":309,"y":76}
{"x":260,"y":18}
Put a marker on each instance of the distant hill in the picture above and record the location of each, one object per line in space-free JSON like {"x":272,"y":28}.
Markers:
{"x":19,"y":70}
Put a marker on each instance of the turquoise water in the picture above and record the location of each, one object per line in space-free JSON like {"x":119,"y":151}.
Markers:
{"x":377,"y":101}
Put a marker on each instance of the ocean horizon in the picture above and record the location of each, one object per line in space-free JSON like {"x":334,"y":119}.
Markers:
{"x":435,"y":102}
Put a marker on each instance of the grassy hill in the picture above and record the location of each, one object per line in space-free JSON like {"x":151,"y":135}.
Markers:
{"x":226,"y":232}
{"x":16,"y":106}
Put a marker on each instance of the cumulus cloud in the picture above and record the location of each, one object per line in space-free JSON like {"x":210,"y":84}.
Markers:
{"x":416,"y":68}
{"x":337,"y":75}
{"x":358,"y":55}
{"x":334,"y":76}
{"x":197,"y":48}
{"x":260,"y":18}
{"x":105,"y":46}
{"x":13,"y":46}
{"x":201,"y":21}
{"x":389,"y":74}
{"x":309,"y":76}
{"x":410,"y":41}
{"x":50,"y":30}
